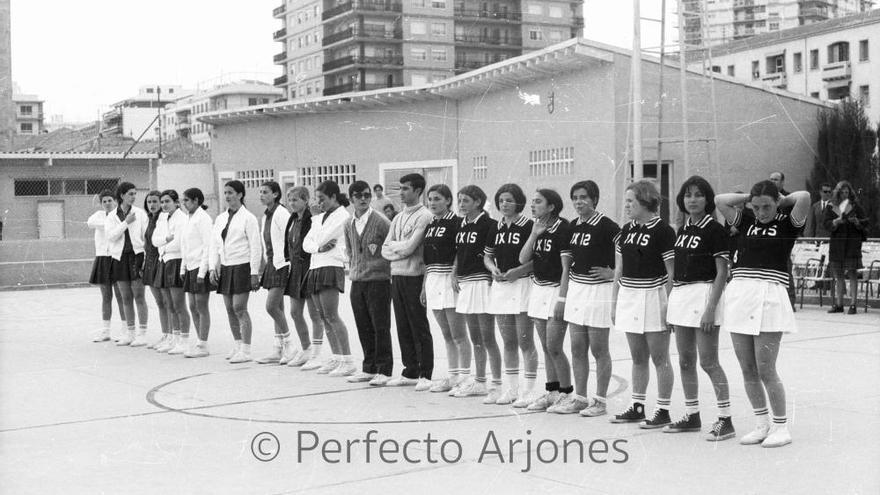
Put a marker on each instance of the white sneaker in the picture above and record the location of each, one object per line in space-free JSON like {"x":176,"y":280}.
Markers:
{"x":493,"y":396}
{"x":328,"y":366}
{"x":140,"y":339}
{"x":126,"y":339}
{"x":240,"y":357}
{"x":180,"y":347}
{"x":236,"y":345}
{"x":757,"y":435}
{"x":572,"y":404}
{"x":472,"y":389}
{"x":158,"y":342}
{"x":313,"y":363}
{"x":508,"y":397}
{"x":444,"y":385}
{"x":360,"y":377}
{"x":169,"y":344}
{"x":102,"y":335}
{"x":779,"y":436}
{"x":299,"y":358}
{"x":287,"y":353}
{"x":197,"y":351}
{"x":462,"y":382}
{"x":596,"y":408}
{"x":274,"y":357}
{"x":526,"y":399}
{"x":344,"y":369}
{"x":423,"y":385}
{"x":380,"y":380}
{"x":545,"y":401}
{"x":402,"y":381}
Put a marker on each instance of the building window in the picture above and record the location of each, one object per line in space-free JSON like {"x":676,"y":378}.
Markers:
{"x":555,"y":12}
{"x":150,"y":90}
{"x":551,"y":162}
{"x":814,"y":94}
{"x":481,"y":167}
{"x":865,"y":95}
{"x":438,"y":55}
{"x":775,"y":64}
{"x":63,"y":187}
{"x":417,"y":28}
{"x":814,"y":59}
{"x":27,"y":127}
{"x":438,"y":4}
{"x":798,"y":62}
{"x":26,"y":109}
{"x":252,"y":102}
{"x":730,"y":71}
{"x":418,"y":53}
{"x":838,"y":93}
{"x":838,"y":52}
{"x":418,"y":80}
{"x":343,"y":175}
{"x":418,"y":3}
{"x":254,"y":178}
{"x":774,"y":26}
{"x":756,"y":71}
{"x":438,"y":29}
{"x":536,"y":35}
{"x":535,"y":9}
{"x":863,"y":51}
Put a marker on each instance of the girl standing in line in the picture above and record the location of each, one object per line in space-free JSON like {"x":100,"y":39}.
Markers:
{"x":298,"y":226}
{"x":234,"y":265}
{"x":276,"y":271}
{"x":151,"y":264}
{"x":437,"y":294}
{"x":194,"y":241}
{"x":757,"y":310}
{"x":166,"y":237}
{"x":103,"y":265}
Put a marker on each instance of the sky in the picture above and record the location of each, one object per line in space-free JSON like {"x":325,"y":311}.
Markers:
{"x":82,"y":56}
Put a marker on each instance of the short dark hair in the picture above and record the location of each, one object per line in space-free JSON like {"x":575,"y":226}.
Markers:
{"x":589,"y":186}
{"x":764,"y":188}
{"x":442,"y":190}
{"x":781,"y":174}
{"x":703,"y":186}
{"x":330,"y":188}
{"x":106,"y":193}
{"x":274,"y":187}
{"x":514,"y":190}
{"x":475,"y":193}
{"x":553,"y":198}
{"x":358,"y":186}
{"x":646,"y":194}
{"x":171,"y":193}
{"x":378,"y":186}
{"x":123,"y":188}
{"x":416,"y":181}
{"x":828,"y":185}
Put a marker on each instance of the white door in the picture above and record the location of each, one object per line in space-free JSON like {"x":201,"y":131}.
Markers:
{"x":50,"y":219}
{"x":287,"y":179}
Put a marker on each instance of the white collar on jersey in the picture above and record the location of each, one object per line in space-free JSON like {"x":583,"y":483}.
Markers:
{"x":593,"y":220}
{"x":465,"y":221}
{"x":701,"y":224}
{"x":556,"y":224}
{"x":519,"y":222}
{"x":648,"y":225}
{"x":448,"y":216}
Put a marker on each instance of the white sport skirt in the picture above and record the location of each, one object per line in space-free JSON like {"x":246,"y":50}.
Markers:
{"x":755,"y":306}
{"x":542,"y":301}
{"x":438,"y":291}
{"x":640,"y":310}
{"x":509,"y":298}
{"x":589,"y":305}
{"x":687,"y":303}
{"x":473,"y":297}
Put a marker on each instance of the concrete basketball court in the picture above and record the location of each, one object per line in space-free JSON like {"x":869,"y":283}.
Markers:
{"x":79,"y":417}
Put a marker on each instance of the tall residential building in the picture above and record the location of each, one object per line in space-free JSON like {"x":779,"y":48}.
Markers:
{"x":7,"y":109}
{"x":180,"y":118}
{"x":136,"y":116}
{"x":338,"y":46}
{"x":712,"y":22}
{"x":28,"y":114}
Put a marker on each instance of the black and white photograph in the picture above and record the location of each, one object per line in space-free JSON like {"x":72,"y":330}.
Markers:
{"x":450,"y":246}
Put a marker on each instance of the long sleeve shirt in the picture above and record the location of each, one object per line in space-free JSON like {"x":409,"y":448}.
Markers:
{"x":278,"y":225}
{"x":169,"y":224}
{"x":242,"y":244}
{"x":322,"y":231}
{"x":403,"y":246}
{"x":115,"y":230}
{"x":97,"y":222}
{"x":194,"y":242}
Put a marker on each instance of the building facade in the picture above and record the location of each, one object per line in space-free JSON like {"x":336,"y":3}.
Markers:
{"x":180,"y":118}
{"x":831,"y":60}
{"x":712,"y":22}
{"x":339,"y":46}
{"x":28,"y":115}
{"x":136,"y":116}
{"x":7,"y":108}
{"x":544,"y":119}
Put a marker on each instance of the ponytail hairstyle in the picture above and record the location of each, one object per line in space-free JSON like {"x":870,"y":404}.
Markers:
{"x":330,"y":189}
{"x":275,"y":188}
{"x":554,"y":199}
{"x":121,"y":189}
{"x":236,"y":186}
{"x":195,"y":194}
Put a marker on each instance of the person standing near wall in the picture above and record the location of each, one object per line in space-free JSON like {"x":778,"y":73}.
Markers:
{"x":847,"y":222}
{"x":166,"y":237}
{"x":816,"y":220}
{"x":298,"y":226}
{"x":370,"y":286}
{"x":194,"y":242}
{"x":103,"y":265}
{"x":403,"y":248}
{"x":151,"y":264}
{"x":125,"y":238}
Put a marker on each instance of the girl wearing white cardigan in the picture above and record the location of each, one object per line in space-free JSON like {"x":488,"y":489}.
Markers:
{"x":194,"y":268}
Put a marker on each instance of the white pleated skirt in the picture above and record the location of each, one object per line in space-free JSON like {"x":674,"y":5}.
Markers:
{"x":473,"y":297}
{"x":687,"y":303}
{"x":542,"y":301}
{"x":509,"y":298}
{"x":589,"y":304}
{"x":640,"y":310}
{"x":438,"y":291}
{"x":752,"y":307}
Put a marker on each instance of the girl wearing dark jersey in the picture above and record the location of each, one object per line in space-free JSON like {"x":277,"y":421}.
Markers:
{"x":471,"y":281}
{"x":437,"y":294}
{"x":701,"y":253}
{"x":644,"y":263}
{"x":509,"y":294}
{"x":547,"y":249}
{"x":591,"y":277}
{"x":757,"y":310}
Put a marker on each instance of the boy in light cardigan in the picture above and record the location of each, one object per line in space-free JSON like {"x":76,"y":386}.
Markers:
{"x":370,"y":293}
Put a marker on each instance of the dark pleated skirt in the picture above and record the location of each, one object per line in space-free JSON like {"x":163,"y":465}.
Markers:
{"x":128,"y":268}
{"x":326,"y":277}
{"x":234,"y":279}
{"x":101,"y":271}
{"x":191,"y":283}
{"x":296,"y":279}
{"x":151,"y":264}
{"x":273,"y":278}
{"x":168,"y":275}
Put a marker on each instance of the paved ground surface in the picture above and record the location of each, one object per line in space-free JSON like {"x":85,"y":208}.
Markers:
{"x":78,"y":417}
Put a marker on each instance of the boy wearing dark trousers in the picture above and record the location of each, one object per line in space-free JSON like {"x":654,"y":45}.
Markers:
{"x":370,"y":277}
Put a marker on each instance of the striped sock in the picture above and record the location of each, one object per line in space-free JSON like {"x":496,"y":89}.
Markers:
{"x":724,"y":408}
{"x":639,"y":398}
{"x":511,"y":378}
{"x":464,"y":373}
{"x":599,"y":398}
{"x":762,"y":416}
{"x":531,"y":379}
{"x":315,"y":348}
{"x":285,"y":337}
{"x":481,"y":379}
{"x":692,"y":406}
{"x":663,"y":403}
{"x":496,"y":382}
{"x":780,"y":420}
{"x":142,"y":327}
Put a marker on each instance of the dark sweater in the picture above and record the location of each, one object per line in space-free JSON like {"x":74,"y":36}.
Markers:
{"x":365,"y":250}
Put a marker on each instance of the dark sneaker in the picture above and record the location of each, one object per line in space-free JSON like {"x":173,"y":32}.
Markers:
{"x":634,"y":413}
{"x":690,"y":422}
{"x":852,"y":310}
{"x":722,"y":429}
{"x":659,"y":419}
{"x":836,"y":309}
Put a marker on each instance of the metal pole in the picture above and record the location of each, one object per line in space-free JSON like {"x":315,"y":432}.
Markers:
{"x":661,"y":98}
{"x":714,"y":149}
{"x":159,"y":116}
{"x":637,"y":92}
{"x":682,"y":62}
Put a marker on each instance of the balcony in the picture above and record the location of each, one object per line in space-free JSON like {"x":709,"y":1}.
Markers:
{"x":485,"y":15}
{"x":466,"y":65}
{"x":377,"y":7}
{"x":279,"y":57}
{"x":279,"y":11}
{"x":477,"y":39}
{"x":277,"y":35}
{"x":776,"y":79}
{"x":359,"y":60}
{"x":184,"y":125}
{"x":814,"y":13}
{"x":358,"y":32}
{"x":352,"y":87}
{"x":577,"y":21}
{"x":737,"y":4}
{"x":744,"y":18}
{"x":280,"y":81}
{"x":837,"y":71}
